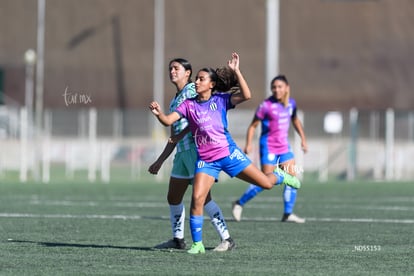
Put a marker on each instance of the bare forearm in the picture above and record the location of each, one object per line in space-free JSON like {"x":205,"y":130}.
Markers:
{"x":162,"y":118}
{"x":249,"y":135}
{"x":244,"y":88}
{"x":168,"y":149}
{"x":299,"y":129}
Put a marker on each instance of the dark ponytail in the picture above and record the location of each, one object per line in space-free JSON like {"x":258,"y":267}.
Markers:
{"x":226,"y":80}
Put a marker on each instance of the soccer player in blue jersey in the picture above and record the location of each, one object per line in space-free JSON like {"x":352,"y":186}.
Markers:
{"x":275,"y":114}
{"x":217,"y":151}
{"x":182,"y":174}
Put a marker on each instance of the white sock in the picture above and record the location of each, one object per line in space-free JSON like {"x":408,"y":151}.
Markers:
{"x":217,"y":219}
{"x":177,"y":218}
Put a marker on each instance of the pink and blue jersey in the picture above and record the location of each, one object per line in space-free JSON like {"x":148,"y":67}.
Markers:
{"x":208,"y":125}
{"x":275,"y":119}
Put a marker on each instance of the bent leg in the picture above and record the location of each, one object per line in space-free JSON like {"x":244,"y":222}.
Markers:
{"x":249,"y":193}
{"x":252,"y":174}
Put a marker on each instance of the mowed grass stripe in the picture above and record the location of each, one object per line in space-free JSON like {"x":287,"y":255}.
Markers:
{"x":138,"y":217}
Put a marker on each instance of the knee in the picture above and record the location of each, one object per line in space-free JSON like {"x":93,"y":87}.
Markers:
{"x":174,"y":199}
{"x":268,"y":185}
{"x":198,"y":201}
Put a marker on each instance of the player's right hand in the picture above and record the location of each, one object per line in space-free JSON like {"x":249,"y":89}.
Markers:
{"x":155,"y":108}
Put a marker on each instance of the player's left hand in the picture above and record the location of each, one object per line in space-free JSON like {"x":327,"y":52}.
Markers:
{"x":304,"y":147}
{"x":154,"y":168}
{"x":234,"y":62}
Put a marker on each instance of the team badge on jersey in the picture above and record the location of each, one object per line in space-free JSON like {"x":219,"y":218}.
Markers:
{"x":213,"y":106}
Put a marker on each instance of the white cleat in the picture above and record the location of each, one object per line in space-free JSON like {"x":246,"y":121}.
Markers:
{"x":237,"y":211}
{"x":225,"y":245}
{"x":293,"y":218}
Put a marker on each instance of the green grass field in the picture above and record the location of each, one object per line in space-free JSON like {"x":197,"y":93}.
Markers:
{"x":80,"y":228}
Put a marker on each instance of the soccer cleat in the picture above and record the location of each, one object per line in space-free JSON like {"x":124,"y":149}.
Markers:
{"x":226,"y":245}
{"x":288,"y":179}
{"x":237,"y":211}
{"x":293,"y":218}
{"x":174,"y":243}
{"x":196,"y":248}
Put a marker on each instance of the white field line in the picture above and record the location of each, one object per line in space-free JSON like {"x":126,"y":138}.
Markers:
{"x":368,"y":207}
{"x":138,"y":217}
{"x":97,"y":203}
{"x":164,"y":204}
{"x":369,"y":220}
{"x":26,"y":215}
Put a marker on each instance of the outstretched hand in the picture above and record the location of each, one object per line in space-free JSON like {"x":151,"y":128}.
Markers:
{"x":234,"y":62}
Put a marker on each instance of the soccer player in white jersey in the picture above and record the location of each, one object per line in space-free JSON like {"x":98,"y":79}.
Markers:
{"x":182,"y":174}
{"x":217,"y":151}
{"x":275,"y":114}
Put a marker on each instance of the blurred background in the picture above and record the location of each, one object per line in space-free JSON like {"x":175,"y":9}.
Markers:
{"x":76,"y":78}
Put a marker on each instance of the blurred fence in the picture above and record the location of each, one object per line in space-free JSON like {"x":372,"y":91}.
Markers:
{"x":101,"y":143}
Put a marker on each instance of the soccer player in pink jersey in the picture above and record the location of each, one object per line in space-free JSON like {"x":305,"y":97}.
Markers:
{"x":217,"y":151}
{"x":182,"y":173}
{"x":275,"y":114}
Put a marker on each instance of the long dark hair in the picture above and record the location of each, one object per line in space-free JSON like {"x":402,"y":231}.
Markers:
{"x":224,"y":77}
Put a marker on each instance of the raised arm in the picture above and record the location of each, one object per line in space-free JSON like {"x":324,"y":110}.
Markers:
{"x":244,"y":93}
{"x":164,"y":119}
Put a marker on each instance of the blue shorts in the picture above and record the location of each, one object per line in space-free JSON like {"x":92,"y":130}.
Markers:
{"x":269,"y":158}
{"x":233,"y":164}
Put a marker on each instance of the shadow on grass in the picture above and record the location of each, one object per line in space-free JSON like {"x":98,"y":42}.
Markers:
{"x":79,"y":245}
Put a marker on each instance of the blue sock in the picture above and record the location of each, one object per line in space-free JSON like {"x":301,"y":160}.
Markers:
{"x":250,"y":193}
{"x":289,"y":199}
{"x":280,"y":177}
{"x":196,"y":227}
